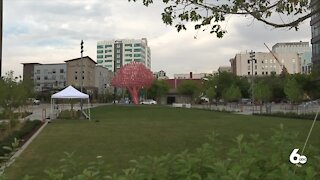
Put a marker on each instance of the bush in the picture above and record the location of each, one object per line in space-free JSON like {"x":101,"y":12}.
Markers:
{"x":69,"y":114}
{"x":15,"y":115}
{"x":249,"y":158}
{"x":20,"y":134}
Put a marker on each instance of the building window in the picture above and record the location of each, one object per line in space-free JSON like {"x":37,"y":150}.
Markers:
{"x":118,"y":50}
{"x":128,"y":55}
{"x":262,"y":73}
{"x":248,"y":73}
{"x":75,"y":77}
{"x":128,"y":45}
{"x":99,"y":61}
{"x":118,"y":55}
{"x":137,"y":45}
{"x":99,"y":46}
{"x":266,"y":73}
{"x":61,"y":77}
{"x":53,"y":77}
{"x":106,"y":56}
{"x":255,"y":67}
{"x":99,"y":51}
{"x":38,"y":71}
{"x":106,"y":51}
{"x":53,"y":71}
{"x":128,"y":50}
{"x":137,"y":50}
{"x":255,"y":73}
{"x":108,"y":61}
{"x":45,"y":77}
{"x":249,"y":68}
{"x":99,"y":56}
{"x":38,"y":77}
{"x":137,"y":55}
{"x":61,"y":70}
{"x":106,"y":46}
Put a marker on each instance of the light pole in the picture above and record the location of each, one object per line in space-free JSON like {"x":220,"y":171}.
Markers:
{"x":81,"y":78}
{"x":252,"y":60}
{"x":1,"y":19}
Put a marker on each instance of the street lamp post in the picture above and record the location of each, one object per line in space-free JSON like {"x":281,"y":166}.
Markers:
{"x":1,"y":23}
{"x":252,"y":60}
{"x":81,"y":78}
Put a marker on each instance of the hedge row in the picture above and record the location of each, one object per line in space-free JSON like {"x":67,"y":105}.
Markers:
{"x":307,"y":116}
{"x":15,"y":115}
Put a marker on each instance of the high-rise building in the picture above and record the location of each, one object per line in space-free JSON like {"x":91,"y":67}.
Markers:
{"x":315,"y":31}
{"x":113,"y":54}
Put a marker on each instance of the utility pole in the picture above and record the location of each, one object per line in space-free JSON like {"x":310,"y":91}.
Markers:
{"x":1,"y":33}
{"x":252,"y":60}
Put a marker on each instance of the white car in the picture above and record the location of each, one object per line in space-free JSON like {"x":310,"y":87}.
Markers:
{"x":148,"y":101}
{"x":36,"y":102}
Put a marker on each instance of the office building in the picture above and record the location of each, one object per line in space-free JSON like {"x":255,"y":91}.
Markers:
{"x":88,"y":72}
{"x":315,"y":32}
{"x":113,"y":54}
{"x":103,"y":78}
{"x":265,"y":64}
{"x":301,"y":48}
{"x":191,"y":76}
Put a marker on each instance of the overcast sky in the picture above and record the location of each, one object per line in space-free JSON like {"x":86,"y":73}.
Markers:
{"x":50,"y":31}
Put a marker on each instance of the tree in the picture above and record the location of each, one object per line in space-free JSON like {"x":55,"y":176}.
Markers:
{"x":232,"y":93}
{"x":222,"y":81}
{"x":262,"y":92}
{"x":189,"y":88}
{"x":133,"y":76}
{"x":158,"y":89}
{"x":13,"y":94}
{"x":211,"y":94}
{"x":293,"y":90}
{"x":212,"y":13}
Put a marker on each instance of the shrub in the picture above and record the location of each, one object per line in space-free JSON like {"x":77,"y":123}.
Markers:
{"x":69,"y":114}
{"x":308,"y":116}
{"x":20,"y":134}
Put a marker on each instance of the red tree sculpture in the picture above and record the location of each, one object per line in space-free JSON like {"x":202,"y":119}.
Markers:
{"x":133,"y":76}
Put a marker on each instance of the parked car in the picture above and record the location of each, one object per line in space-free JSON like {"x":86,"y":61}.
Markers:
{"x":36,"y":102}
{"x":148,"y":101}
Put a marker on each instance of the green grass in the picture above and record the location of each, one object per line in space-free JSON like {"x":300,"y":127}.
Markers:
{"x":127,"y":132}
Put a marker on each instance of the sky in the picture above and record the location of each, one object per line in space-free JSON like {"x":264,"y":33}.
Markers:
{"x":47,"y":31}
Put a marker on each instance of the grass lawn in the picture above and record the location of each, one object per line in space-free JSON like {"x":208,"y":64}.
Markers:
{"x":127,"y":132}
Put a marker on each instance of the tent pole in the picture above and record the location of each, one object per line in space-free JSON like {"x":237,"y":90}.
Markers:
{"x":51,"y":108}
{"x":89,"y":109}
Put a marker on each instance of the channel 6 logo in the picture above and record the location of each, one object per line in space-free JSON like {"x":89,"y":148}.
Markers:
{"x":296,"y":158}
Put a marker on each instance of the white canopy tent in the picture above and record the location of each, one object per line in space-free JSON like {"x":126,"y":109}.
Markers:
{"x":70,"y":93}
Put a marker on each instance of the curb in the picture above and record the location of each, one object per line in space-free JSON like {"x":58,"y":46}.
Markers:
{"x":25,"y":145}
